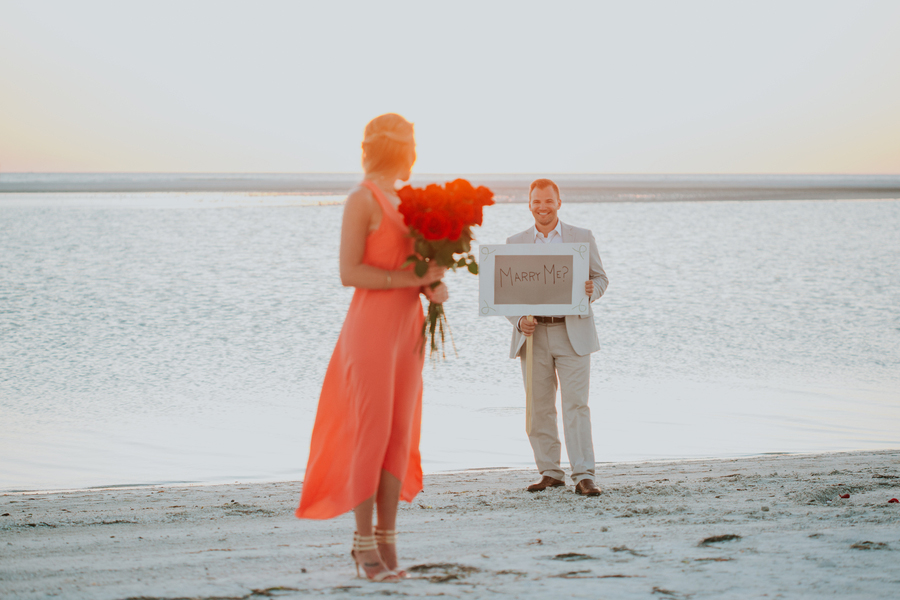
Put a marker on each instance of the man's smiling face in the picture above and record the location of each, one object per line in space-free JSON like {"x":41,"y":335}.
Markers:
{"x":544,"y":202}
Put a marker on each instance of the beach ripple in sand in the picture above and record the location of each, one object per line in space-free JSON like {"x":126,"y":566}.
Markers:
{"x":689,"y":529}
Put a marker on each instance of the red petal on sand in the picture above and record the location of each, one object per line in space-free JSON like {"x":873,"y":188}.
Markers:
{"x":893,"y":501}
{"x":845,"y":496}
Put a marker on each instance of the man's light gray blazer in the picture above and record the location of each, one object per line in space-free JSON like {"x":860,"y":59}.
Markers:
{"x":581,"y":328}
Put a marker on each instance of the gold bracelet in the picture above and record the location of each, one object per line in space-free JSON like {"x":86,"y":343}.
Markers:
{"x":388,"y":273}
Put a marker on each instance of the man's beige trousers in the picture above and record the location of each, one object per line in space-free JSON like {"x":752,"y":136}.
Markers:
{"x":554,"y":356}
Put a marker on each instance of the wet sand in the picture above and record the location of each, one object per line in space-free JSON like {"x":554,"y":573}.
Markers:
{"x":771,"y":526}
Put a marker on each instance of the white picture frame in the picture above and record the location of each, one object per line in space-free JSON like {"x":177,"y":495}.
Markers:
{"x":501,"y":284}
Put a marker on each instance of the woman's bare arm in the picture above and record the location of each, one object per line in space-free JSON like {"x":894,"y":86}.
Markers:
{"x":360,"y":212}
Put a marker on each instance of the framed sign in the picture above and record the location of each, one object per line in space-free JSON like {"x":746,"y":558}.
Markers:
{"x":533,"y":279}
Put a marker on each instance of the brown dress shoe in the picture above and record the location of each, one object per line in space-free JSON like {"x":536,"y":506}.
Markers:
{"x":544,"y":483}
{"x":586,"y":487}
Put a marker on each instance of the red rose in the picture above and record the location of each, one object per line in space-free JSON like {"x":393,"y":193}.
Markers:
{"x":448,"y":208}
{"x":484,"y":196}
{"x":463,"y":212}
{"x":434,"y":196}
{"x":418,"y":222}
{"x":455,"y":229}
{"x":407,"y":194}
{"x":472,"y":214}
{"x":410,"y":204}
{"x":461,"y":190}
{"x":434,"y":226}
{"x":408,"y":212}
{"x":476,"y":217}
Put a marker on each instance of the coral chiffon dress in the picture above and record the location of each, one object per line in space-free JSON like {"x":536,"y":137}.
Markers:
{"x":370,"y":409}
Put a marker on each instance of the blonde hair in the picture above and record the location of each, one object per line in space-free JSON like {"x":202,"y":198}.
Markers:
{"x":389,"y":144}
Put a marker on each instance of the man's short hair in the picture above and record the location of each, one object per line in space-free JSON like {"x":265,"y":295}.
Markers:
{"x":542,"y":184}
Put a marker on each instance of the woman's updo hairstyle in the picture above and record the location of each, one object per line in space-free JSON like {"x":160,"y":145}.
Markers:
{"x":388,"y":144}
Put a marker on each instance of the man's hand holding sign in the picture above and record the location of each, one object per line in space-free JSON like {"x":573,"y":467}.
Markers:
{"x":526,"y":325}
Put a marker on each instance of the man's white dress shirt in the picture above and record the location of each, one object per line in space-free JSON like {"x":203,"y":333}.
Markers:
{"x":554,"y":237}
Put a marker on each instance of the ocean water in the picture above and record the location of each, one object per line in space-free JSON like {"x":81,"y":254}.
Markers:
{"x":183,"y":337}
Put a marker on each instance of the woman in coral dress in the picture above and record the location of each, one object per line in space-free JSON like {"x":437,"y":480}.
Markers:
{"x":364,"y":451}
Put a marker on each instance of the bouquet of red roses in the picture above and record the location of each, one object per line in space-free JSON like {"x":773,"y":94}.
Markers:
{"x":440,"y":218}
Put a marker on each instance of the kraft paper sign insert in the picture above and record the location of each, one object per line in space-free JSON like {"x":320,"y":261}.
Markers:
{"x":538,"y":279}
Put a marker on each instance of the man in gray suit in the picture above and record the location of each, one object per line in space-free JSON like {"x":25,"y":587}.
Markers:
{"x":562,"y":348}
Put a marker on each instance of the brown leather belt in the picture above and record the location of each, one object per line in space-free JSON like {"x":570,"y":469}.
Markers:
{"x":548,"y":320}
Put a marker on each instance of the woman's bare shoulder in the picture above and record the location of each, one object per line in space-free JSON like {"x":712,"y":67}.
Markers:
{"x":360,"y":198}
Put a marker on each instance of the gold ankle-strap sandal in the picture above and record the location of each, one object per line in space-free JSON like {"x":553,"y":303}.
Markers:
{"x":388,"y":537}
{"x":364,"y":543}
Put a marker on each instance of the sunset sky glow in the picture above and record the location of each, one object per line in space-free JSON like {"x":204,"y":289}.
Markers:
{"x":493,"y":87}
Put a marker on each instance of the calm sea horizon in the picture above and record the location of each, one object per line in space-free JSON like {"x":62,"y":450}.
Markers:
{"x":182,"y":336}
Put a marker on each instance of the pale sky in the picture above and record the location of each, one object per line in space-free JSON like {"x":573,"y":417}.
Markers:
{"x":492,"y":87}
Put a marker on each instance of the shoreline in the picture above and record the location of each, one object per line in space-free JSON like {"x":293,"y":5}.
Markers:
{"x":427,"y":474}
{"x":479,"y":534}
{"x":507,"y":187}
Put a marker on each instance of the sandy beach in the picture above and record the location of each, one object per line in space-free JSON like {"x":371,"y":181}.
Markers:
{"x":768,"y":526}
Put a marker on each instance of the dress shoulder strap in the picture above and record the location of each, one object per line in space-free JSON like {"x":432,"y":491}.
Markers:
{"x":379,"y":195}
